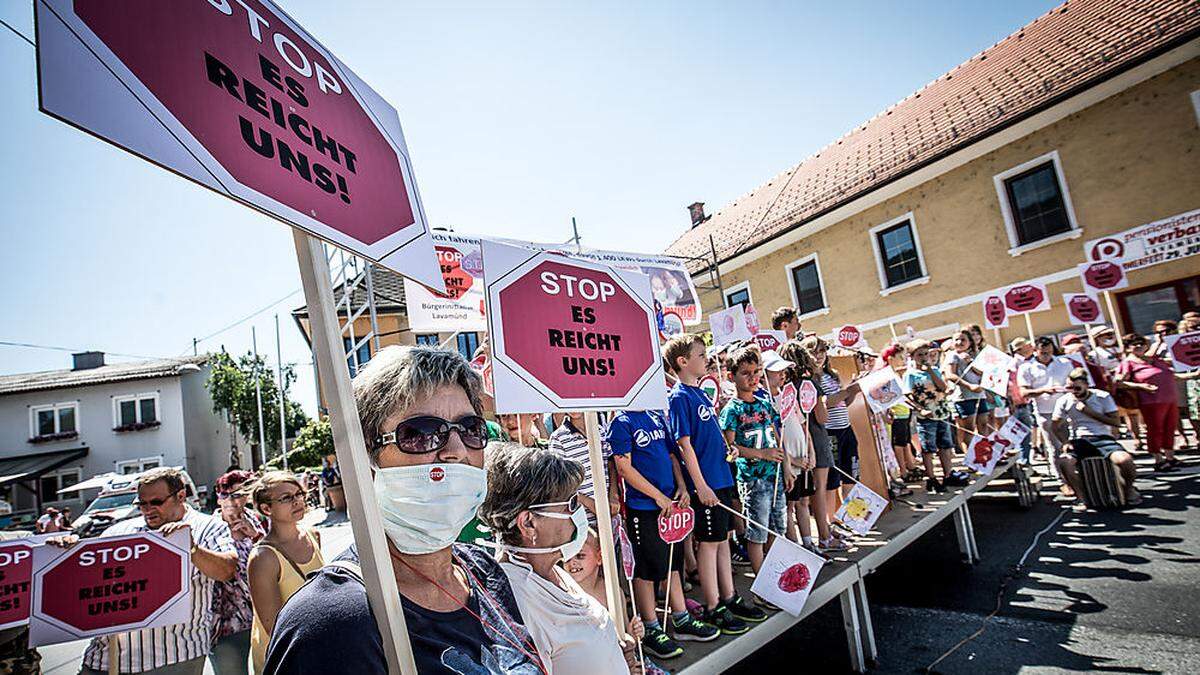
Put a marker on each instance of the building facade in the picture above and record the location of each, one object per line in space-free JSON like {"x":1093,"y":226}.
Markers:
{"x":994,"y":175}
{"x":59,"y":428}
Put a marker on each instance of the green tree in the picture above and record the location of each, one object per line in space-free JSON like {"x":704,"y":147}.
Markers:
{"x":231,"y":385}
{"x":313,"y":442}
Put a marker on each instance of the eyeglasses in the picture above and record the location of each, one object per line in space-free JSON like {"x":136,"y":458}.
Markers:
{"x":229,"y":495}
{"x":152,"y":503}
{"x":288,"y":500}
{"x":572,"y":505}
{"x":424,"y":434}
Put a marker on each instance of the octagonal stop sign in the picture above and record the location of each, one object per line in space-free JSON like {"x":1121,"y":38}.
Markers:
{"x":570,"y":334}
{"x":114,"y":584}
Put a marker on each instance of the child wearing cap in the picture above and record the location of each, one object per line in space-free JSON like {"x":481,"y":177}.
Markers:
{"x":928,"y":393}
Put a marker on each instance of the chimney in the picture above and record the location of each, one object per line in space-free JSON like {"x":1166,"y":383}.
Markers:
{"x":696,"y":209}
{"x":88,"y":360}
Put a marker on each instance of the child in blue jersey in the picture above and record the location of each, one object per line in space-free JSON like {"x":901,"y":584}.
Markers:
{"x":710,"y":484}
{"x":751,"y":426}
{"x":644,"y":453}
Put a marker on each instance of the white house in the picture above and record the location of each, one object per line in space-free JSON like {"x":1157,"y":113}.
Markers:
{"x":58,"y":428}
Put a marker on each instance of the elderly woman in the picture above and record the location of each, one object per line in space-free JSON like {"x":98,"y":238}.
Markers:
{"x":419,"y":409}
{"x":533,"y":508}
{"x":232,"y":610}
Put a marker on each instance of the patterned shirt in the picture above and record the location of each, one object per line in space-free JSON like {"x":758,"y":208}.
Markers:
{"x":570,"y":443}
{"x":150,"y":648}
{"x":931,"y":403}
{"x":754,"y":425}
{"x":232,"y":609}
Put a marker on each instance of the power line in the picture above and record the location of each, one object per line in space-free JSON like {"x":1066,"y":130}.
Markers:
{"x":30,"y":345}
{"x":247,"y":317}
{"x":18,"y":33}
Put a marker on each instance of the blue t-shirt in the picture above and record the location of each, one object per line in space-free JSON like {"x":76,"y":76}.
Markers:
{"x":643,"y":436}
{"x":754,"y":424}
{"x":691,"y":414}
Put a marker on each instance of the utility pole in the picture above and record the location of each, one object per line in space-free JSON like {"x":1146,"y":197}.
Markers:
{"x":262,"y":434}
{"x":575,"y":229}
{"x":195,"y":351}
{"x":282,"y":415}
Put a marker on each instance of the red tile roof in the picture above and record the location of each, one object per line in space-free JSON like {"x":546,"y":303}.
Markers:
{"x":1072,"y":47}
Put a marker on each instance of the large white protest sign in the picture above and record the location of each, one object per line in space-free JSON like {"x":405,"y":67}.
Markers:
{"x":1014,"y":430}
{"x":1150,"y":244}
{"x":1184,"y":351}
{"x":787,"y":576}
{"x":995,"y":366}
{"x":729,"y":325}
{"x":861,"y":508}
{"x":881,"y":389}
{"x":460,"y":308}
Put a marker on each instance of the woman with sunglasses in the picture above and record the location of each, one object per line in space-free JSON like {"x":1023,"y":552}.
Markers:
{"x":283,"y":559}
{"x":419,"y":409}
{"x":533,"y":506}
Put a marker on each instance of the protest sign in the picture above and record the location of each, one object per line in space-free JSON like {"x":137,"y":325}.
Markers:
{"x":729,"y":325}
{"x":752,"y":323}
{"x":861,"y":508}
{"x":110,"y":585}
{"x":16,"y":578}
{"x":1082,"y":309}
{"x":883,"y":441}
{"x":807,"y":396}
{"x":1025,"y":298}
{"x":850,"y":337}
{"x":1150,"y":244}
{"x":991,"y":357}
{"x":247,"y":104}
{"x":995,"y":379}
{"x":786,"y":403}
{"x":676,"y":524}
{"x":482,"y":364}
{"x":711,"y":387}
{"x":1184,"y":351}
{"x":1102,"y":275}
{"x":627,"y":560}
{"x":770,"y":340}
{"x":982,"y":454}
{"x":995,"y":313}
{"x":672,"y":324}
{"x":881,"y":389}
{"x":787,"y":576}
{"x":1013,"y":430}
{"x":569,"y":334}
{"x":460,"y":308}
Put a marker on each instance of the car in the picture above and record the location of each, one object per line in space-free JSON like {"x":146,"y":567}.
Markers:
{"x":116,"y":503}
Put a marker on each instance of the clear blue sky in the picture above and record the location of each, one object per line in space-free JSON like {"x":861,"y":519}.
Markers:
{"x":517,"y":119}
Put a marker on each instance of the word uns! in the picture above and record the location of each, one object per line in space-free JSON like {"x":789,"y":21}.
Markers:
{"x":588,"y":289}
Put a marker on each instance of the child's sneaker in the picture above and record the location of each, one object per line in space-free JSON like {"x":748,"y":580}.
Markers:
{"x":724,"y":620}
{"x":694,"y":630}
{"x":744,"y":610}
{"x":657,"y":642}
{"x":834,"y":544}
{"x":738,"y":555}
{"x":932,"y":486}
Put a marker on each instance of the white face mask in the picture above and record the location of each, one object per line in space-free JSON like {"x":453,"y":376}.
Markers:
{"x":426,"y":506}
{"x":574,"y":545}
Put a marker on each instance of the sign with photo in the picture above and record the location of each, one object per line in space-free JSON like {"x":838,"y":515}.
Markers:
{"x":460,"y":308}
{"x":729,"y":325}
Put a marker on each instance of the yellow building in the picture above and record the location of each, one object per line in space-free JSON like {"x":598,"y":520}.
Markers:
{"x":1081,"y":125}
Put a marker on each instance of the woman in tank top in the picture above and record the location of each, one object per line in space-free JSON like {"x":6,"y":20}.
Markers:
{"x":281,"y":561}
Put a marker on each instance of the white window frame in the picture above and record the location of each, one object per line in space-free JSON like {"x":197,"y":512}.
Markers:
{"x":1016,"y":248}
{"x":884,"y":289}
{"x":118,"y":400}
{"x":1196,"y":104}
{"x":139,"y":463}
{"x":791,"y":282}
{"x":35,"y":409}
{"x":58,"y":474}
{"x":744,"y":286}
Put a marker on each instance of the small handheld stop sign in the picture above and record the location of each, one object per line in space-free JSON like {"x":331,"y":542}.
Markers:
{"x":807,"y":396}
{"x":849,"y":336}
{"x":676,"y":524}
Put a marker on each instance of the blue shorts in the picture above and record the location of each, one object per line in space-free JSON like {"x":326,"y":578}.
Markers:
{"x":935,"y":435}
{"x":759,"y":504}
{"x":970,"y":407}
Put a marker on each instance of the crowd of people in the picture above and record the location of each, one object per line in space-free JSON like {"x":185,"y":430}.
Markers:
{"x":492,"y":525}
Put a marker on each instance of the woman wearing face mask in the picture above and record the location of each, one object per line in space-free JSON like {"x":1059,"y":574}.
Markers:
{"x":419,"y":410}
{"x":533,"y":508}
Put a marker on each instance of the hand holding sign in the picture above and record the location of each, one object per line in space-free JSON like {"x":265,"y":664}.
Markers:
{"x":807,"y":396}
{"x":675,"y":524}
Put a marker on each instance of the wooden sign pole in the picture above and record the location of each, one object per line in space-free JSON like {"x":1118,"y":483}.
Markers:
{"x":608,"y":553}
{"x":1113,"y":315}
{"x":361,"y":507}
{"x":1029,"y":326}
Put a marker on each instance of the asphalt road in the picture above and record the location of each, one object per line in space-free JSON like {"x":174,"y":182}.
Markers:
{"x":1113,"y":592}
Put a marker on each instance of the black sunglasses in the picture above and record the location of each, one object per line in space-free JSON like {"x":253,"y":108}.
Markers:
{"x":424,"y":434}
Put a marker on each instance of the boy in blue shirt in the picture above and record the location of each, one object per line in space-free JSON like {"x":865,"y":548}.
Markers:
{"x":751,"y":426}
{"x":702,"y":448}
{"x":644,"y":454}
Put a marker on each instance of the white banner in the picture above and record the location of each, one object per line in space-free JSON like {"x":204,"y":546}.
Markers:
{"x":1150,"y":244}
{"x":460,"y":308}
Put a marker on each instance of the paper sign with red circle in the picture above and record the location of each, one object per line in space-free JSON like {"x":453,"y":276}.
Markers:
{"x":807,"y":396}
{"x":672,"y":324}
{"x":752,"y":323}
{"x":1025,"y":298}
{"x":788,"y":574}
{"x":711,"y":387}
{"x":848,"y":336}
{"x":676,"y":524}
{"x":1103,"y":275}
{"x":1184,"y":350}
{"x":995,"y":314}
{"x":1082,"y":309}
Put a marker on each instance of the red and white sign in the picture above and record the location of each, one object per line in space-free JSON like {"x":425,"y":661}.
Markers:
{"x":788,"y":574}
{"x":1102,"y":275}
{"x":672,"y":325}
{"x":770,"y":340}
{"x":627,"y":558}
{"x":1149,"y":244}
{"x":1184,"y":350}
{"x":16,"y":579}
{"x":849,"y":336}
{"x":995,"y":314}
{"x":729,"y":325}
{"x":752,"y":323}
{"x":1024,"y":298}
{"x":676,"y":524}
{"x":567,"y":334}
{"x":1082,"y":309}
{"x":110,"y":585}
{"x":482,"y":364}
{"x":807,"y":396}
{"x":711,"y":387}
{"x":238,"y":97}
{"x":786,"y":403}
{"x":460,"y":307}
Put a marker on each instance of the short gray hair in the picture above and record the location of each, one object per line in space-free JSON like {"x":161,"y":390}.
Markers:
{"x":171,"y":476}
{"x":519,"y":477}
{"x":397,"y":377}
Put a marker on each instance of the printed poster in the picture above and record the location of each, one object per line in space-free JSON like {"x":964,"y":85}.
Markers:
{"x":1184,"y":351}
{"x":1150,"y":244}
{"x":788,"y":575}
{"x":460,"y":308}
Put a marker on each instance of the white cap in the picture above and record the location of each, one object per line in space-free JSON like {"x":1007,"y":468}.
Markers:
{"x":772,"y":361}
